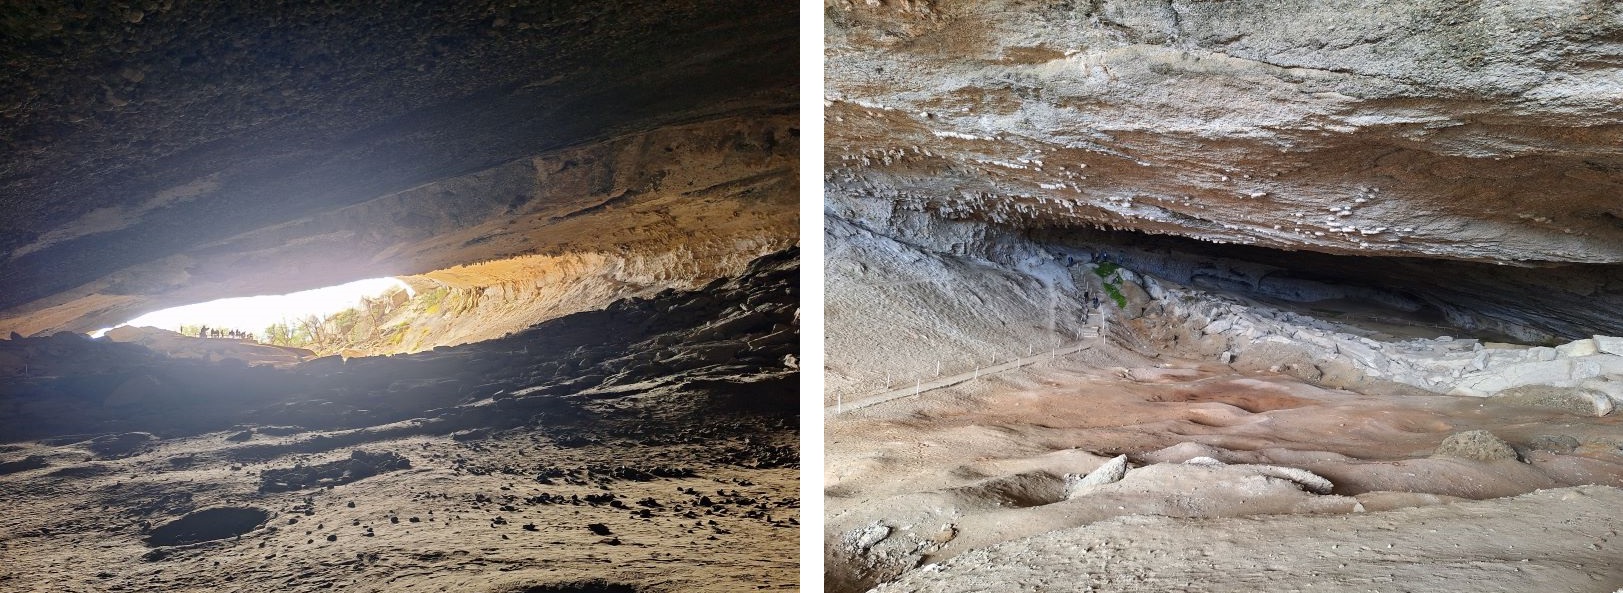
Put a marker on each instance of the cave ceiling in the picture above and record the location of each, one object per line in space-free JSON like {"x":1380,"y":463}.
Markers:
{"x":1484,"y":131}
{"x":164,"y":151}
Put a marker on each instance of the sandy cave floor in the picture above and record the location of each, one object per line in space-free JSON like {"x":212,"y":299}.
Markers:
{"x":453,"y":521}
{"x":960,"y":475}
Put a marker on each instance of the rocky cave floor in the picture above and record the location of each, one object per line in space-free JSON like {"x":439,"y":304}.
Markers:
{"x":970,"y":483}
{"x":650,"y":446}
{"x":1201,"y":440}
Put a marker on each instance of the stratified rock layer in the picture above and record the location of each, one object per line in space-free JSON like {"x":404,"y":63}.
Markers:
{"x":1482,"y":131}
{"x":585,"y":447}
{"x":170,"y":153}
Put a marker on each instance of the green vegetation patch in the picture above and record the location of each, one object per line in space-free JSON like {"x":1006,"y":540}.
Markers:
{"x":432,"y":298}
{"x":1112,"y":282}
{"x":1116,"y":295}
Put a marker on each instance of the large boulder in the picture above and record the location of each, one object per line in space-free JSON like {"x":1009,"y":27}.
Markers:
{"x":1576,"y":400}
{"x":1476,"y":445}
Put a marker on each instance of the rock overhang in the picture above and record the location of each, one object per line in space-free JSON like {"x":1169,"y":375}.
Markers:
{"x":1477,"y":132}
{"x":164,"y":152}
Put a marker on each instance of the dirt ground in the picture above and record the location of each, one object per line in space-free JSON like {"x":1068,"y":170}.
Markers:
{"x":970,"y":483}
{"x":464,"y":516}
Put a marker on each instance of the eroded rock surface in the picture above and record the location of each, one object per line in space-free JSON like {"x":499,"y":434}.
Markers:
{"x":171,"y":153}
{"x":1279,"y":254}
{"x":1481,"y":131}
{"x":668,"y":422}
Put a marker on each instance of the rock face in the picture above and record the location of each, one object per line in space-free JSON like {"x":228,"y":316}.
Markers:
{"x":622,"y":418}
{"x":1585,"y":402}
{"x":1405,"y":202}
{"x":176,"y":152}
{"x":71,"y":385}
{"x":1475,"y":131}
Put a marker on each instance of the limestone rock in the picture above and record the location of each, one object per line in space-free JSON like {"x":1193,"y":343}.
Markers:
{"x":1160,"y":69}
{"x":1309,"y":481}
{"x":1577,"y":348}
{"x":1611,"y":385}
{"x":862,"y":539}
{"x":1584,"y":402}
{"x":1477,"y":445}
{"x":1609,"y":345}
{"x":1566,"y":371}
{"x":1112,"y":471}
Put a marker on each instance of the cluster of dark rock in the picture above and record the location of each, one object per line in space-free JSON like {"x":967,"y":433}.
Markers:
{"x":359,"y":465}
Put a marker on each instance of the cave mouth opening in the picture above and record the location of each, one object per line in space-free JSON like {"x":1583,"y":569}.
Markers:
{"x":293,"y":319}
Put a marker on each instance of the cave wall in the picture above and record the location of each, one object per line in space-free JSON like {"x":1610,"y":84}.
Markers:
{"x":1546,"y":304}
{"x":1482,"y":131}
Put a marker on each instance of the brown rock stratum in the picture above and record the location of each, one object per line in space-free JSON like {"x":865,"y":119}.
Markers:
{"x":1482,"y":131}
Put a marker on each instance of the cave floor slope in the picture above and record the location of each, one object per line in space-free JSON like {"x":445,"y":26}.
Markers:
{"x":975,"y":486}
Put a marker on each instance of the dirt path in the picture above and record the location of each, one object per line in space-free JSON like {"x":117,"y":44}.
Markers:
{"x":920,"y":387}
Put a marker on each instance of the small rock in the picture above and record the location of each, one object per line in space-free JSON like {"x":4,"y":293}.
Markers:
{"x":860,"y":540}
{"x":1577,"y":348}
{"x":1479,"y":445}
{"x":1609,"y":344}
{"x":1112,"y":471}
{"x":1309,"y":481}
{"x":1555,"y":443}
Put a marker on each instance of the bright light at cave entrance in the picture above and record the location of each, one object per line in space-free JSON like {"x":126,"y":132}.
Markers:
{"x":254,"y":314}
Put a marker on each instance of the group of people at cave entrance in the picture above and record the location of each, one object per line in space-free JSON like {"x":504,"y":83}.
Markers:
{"x":215,"y":332}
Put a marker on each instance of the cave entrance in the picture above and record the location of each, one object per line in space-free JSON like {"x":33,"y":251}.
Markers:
{"x":299,"y":319}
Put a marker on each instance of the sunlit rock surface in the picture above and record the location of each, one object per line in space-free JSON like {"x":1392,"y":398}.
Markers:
{"x":165,"y":153}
